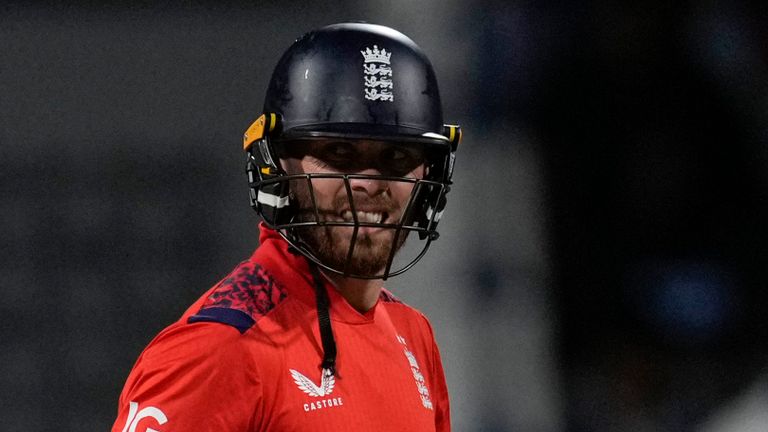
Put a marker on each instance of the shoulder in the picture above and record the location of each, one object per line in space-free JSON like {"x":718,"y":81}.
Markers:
{"x":394,"y":305}
{"x":406,"y":315}
{"x":197,"y":344}
{"x":201,"y":376}
{"x":247,"y":294}
{"x":408,"y":318}
{"x":387,"y":297}
{"x":183,"y":354}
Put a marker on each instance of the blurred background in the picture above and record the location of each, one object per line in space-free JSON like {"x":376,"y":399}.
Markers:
{"x":603,"y":262}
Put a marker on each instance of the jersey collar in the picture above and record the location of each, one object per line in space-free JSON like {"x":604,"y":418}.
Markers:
{"x":292,"y":270}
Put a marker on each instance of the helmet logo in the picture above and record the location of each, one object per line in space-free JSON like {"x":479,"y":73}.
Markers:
{"x":376,"y":70}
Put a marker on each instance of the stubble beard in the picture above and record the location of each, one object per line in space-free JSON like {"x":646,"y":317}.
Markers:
{"x":331,"y":244}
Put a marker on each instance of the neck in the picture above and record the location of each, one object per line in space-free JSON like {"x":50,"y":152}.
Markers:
{"x":361,"y":294}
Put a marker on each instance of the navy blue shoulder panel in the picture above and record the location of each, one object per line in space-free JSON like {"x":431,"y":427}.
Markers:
{"x":234,"y":317}
{"x":242,"y":298}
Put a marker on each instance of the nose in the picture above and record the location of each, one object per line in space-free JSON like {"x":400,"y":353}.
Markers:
{"x":370,"y":186}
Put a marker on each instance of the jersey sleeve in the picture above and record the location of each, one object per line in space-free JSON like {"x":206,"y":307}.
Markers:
{"x":198,"y":377}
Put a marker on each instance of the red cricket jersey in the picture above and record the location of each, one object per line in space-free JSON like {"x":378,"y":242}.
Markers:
{"x":246,"y":356}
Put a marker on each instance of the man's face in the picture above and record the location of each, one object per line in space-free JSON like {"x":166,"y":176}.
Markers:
{"x":375,"y":200}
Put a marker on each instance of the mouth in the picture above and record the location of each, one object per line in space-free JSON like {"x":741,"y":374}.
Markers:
{"x":363,"y":216}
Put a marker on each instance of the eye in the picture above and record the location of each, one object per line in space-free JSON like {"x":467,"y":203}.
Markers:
{"x":395,"y":154}
{"x":339,"y":155}
{"x":400,"y":160}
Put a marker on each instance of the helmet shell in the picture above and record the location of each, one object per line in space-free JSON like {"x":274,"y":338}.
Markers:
{"x":355,"y":80}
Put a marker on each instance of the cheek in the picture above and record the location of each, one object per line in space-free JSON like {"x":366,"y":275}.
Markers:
{"x":419,"y":172}
{"x":401,"y":191}
{"x":326,"y":189}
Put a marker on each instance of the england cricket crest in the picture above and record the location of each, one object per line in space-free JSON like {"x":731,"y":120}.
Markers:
{"x":378,"y":74}
{"x":421,"y":383}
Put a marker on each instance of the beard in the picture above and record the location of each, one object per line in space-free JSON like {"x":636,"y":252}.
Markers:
{"x":332,"y":244}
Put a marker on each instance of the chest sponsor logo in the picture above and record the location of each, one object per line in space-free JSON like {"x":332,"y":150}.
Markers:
{"x":322,"y":391}
{"x":421,"y":384}
{"x":135,"y":415}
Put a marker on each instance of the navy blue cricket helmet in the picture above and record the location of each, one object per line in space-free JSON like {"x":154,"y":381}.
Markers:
{"x":351,"y":81}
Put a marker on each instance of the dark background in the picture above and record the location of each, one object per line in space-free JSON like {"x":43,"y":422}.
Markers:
{"x":602,"y":264}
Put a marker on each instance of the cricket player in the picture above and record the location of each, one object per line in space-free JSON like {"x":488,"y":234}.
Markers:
{"x":349,"y":158}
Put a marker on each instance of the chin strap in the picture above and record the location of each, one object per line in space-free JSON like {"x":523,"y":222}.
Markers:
{"x":324,"y":321}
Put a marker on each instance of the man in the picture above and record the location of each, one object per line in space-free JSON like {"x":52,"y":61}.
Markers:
{"x":349,"y":157}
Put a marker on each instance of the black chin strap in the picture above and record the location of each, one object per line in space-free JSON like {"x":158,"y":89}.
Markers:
{"x":324,"y":321}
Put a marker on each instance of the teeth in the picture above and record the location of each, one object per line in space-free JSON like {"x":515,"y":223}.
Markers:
{"x":362,"y":216}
